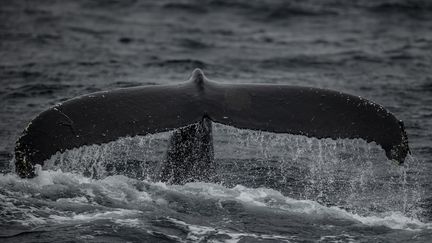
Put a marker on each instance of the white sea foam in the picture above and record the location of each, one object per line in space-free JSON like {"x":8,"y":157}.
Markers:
{"x":123,"y":199}
{"x":199,"y":233}
{"x":265,"y":197}
{"x":394,"y":220}
{"x":119,"y":213}
{"x":128,"y":222}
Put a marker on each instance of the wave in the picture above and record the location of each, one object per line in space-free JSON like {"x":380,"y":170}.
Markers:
{"x":36,"y":89}
{"x":59,"y":197}
{"x":276,"y":9}
{"x":196,"y":8}
{"x":402,"y":6}
{"x":187,"y":64}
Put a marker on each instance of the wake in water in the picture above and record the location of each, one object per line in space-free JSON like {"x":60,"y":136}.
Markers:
{"x":271,"y":187}
{"x":55,"y":201}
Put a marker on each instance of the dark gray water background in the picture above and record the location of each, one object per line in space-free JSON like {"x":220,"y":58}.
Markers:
{"x":51,"y":51}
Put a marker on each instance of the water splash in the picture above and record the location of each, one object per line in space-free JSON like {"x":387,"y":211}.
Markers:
{"x":137,"y":157}
{"x":350,"y":174}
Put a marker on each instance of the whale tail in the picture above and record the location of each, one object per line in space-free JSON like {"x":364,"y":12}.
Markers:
{"x":190,"y":106}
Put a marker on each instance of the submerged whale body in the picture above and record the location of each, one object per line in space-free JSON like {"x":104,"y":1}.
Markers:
{"x":189,"y":107}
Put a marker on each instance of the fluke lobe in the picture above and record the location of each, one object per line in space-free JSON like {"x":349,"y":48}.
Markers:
{"x":188,"y":108}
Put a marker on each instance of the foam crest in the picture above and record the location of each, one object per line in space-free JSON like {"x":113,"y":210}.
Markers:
{"x":66,"y":197}
{"x":120,"y":213}
{"x":264,"y":197}
{"x":198,"y":233}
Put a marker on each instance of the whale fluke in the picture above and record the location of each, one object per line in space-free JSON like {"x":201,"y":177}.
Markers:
{"x":106,"y":116}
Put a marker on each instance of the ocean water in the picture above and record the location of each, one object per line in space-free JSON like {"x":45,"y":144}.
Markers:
{"x":269,"y":187}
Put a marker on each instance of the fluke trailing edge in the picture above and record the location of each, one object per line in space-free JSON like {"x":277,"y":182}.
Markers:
{"x":106,"y":116}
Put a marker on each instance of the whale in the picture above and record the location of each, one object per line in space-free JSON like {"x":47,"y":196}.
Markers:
{"x":188,"y":109}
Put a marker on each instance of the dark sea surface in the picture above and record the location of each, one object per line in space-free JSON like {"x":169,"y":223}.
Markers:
{"x":271,"y":187}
